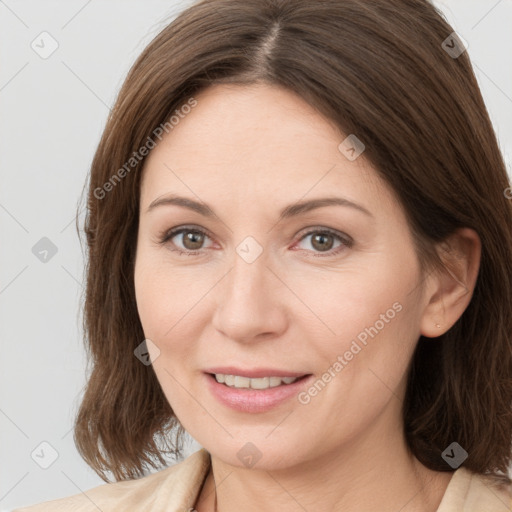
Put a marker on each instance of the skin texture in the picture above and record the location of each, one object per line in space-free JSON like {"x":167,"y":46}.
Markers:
{"x":296,"y":307}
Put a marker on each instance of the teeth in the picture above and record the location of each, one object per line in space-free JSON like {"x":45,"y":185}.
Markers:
{"x":242,"y":382}
{"x":275,"y":381}
{"x":261,"y":383}
{"x":236,"y":381}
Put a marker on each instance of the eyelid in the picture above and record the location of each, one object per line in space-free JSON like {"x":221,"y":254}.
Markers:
{"x":324,"y":229}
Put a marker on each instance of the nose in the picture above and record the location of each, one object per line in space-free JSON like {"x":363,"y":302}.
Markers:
{"x":251,"y":302}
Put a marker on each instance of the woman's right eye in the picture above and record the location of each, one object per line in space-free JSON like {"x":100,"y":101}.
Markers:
{"x":191,"y":242}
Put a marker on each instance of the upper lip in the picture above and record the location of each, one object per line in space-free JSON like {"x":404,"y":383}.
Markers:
{"x":254,"y":373}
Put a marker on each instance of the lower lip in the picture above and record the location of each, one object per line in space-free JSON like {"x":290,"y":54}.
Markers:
{"x":254,"y":400}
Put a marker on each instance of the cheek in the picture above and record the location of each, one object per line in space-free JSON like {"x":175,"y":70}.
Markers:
{"x":148,"y":297}
{"x":155,"y":293}
{"x":373,"y":328}
{"x":169,"y":304}
{"x":160,"y":308}
{"x":362,"y":370}
{"x":155,"y":286}
{"x":356,"y":304}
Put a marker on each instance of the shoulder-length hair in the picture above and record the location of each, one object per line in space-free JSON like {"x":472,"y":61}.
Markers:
{"x":385,"y":71}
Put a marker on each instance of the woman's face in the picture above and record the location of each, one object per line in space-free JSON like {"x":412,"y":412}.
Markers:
{"x":272,"y":288}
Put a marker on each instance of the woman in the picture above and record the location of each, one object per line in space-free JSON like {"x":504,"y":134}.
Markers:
{"x":370,"y":374}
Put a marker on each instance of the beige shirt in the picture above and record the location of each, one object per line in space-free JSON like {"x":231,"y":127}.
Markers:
{"x":176,"y":489}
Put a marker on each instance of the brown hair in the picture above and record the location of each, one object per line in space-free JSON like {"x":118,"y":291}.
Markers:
{"x":378,"y":70}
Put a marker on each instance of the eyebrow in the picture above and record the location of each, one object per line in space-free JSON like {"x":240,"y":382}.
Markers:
{"x":287,"y":212}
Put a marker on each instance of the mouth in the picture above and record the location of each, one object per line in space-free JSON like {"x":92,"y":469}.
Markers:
{"x":255,"y":391}
{"x":260,"y":383}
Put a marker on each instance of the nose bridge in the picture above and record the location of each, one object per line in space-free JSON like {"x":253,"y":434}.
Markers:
{"x":248,"y":280}
{"x":248,"y":275}
{"x":248,"y":304}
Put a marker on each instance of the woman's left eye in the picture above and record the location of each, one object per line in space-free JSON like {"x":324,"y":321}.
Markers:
{"x":322,"y":241}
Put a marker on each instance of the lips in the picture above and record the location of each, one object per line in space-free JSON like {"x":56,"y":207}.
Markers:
{"x":248,"y":400}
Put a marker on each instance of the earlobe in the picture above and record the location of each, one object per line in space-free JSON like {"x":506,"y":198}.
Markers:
{"x":451,"y":289}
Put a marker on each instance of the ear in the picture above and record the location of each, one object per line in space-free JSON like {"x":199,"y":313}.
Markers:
{"x":449,"y":291}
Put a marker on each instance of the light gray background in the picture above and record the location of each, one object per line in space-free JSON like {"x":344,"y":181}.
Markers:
{"x":52,"y":114}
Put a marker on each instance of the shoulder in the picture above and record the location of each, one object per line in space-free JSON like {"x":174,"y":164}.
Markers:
{"x":473,"y":492}
{"x":489,"y":491}
{"x":177,"y":485}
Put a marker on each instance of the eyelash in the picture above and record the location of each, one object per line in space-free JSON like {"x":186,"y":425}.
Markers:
{"x":347,"y":242}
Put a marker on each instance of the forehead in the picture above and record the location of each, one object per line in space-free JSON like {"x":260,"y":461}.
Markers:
{"x":254,"y":142}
